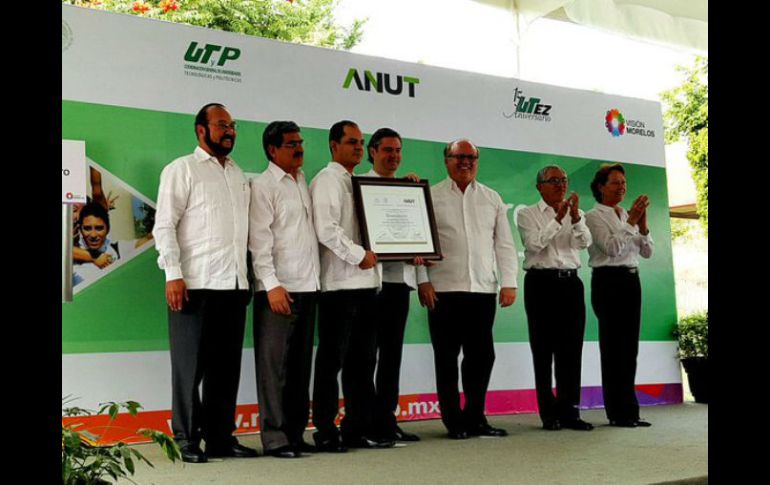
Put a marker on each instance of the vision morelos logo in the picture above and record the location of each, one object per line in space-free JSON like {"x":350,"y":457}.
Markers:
{"x":615,"y":122}
{"x":381,"y":81}
{"x":208,"y":61}
{"x":529,"y":109}
{"x":66,"y":36}
{"x":618,"y":125}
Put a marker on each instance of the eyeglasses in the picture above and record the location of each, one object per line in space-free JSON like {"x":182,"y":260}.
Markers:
{"x":224,"y":126}
{"x":293,"y":144}
{"x":460,"y":158}
{"x":556,"y":181}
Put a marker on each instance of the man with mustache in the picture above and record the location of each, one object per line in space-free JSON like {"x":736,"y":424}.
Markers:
{"x":284,"y":253}
{"x":554,"y":232}
{"x":349,"y":282}
{"x":459,"y":291}
{"x":201,"y":233}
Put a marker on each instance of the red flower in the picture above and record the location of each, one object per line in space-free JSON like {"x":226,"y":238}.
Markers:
{"x":168,"y":5}
{"x":141,"y":7}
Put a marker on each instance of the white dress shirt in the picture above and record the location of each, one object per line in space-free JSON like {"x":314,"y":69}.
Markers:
{"x":396,"y":271}
{"x":282,"y":240}
{"x":615,"y":241}
{"x":549,"y":244}
{"x":201,"y":222}
{"x":336,"y":226}
{"x":475,"y":236}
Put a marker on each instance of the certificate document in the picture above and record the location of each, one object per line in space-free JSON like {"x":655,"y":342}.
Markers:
{"x":396,"y":218}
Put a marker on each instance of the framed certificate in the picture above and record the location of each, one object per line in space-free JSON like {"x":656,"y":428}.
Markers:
{"x":396,"y":218}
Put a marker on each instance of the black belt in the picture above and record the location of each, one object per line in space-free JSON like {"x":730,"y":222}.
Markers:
{"x":617,"y":269}
{"x":558,"y":273}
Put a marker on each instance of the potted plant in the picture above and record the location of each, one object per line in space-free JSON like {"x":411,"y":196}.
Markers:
{"x":692,"y":332}
{"x":84,"y":462}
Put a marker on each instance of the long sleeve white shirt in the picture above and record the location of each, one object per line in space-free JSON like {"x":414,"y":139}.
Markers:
{"x":475,"y":236}
{"x":338,"y":234}
{"x":396,"y":271}
{"x":615,"y":241}
{"x":201,"y":222}
{"x":549,"y":244}
{"x":282,"y":240}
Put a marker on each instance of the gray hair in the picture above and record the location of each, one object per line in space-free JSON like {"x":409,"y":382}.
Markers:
{"x":541,"y":173}
{"x":449,"y":146}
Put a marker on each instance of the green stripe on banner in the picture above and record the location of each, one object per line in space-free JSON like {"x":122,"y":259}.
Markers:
{"x":125,"y":310}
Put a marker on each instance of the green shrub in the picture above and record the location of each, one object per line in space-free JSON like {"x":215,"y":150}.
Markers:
{"x":83,"y":462}
{"x":692,"y":332}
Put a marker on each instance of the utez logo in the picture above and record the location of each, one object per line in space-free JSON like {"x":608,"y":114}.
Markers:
{"x":204,"y":54}
{"x":532,"y":105}
{"x":380,"y":81}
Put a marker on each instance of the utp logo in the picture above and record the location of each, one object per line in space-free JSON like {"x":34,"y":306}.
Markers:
{"x":206,"y":54}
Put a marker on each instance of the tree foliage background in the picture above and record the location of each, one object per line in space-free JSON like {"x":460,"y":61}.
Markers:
{"x":308,"y":22}
{"x":687,"y":115}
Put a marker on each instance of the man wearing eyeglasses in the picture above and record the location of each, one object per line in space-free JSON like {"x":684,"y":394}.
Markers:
{"x":201,"y":233}
{"x":349,"y":282}
{"x":554,"y":232}
{"x":284,"y":252}
{"x":460,"y":290}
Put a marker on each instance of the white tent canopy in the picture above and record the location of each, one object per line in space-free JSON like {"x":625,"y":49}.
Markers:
{"x":679,"y":23}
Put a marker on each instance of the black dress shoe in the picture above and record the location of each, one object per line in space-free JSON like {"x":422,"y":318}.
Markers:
{"x":488,"y":431}
{"x":234,"y":450}
{"x":368,"y":442}
{"x":577,"y":424}
{"x":623,"y":423}
{"x":457,"y":435}
{"x":328,"y":444}
{"x":287,"y":451}
{"x":629,"y":423}
{"x":192,"y":454}
{"x":304,"y":447}
{"x":401,"y":435}
{"x":551,"y":425}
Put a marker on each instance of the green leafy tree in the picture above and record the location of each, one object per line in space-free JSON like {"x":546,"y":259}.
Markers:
{"x":301,"y":21}
{"x":687,"y":116}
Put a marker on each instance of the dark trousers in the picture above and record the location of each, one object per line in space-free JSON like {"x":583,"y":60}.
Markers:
{"x":346,"y":342}
{"x":206,"y":341}
{"x":616,"y":297}
{"x":391,"y":314}
{"x":283,"y":351}
{"x":556,"y":316}
{"x":463,"y":320}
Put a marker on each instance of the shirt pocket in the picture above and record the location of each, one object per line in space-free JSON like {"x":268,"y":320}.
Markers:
{"x":485,"y":219}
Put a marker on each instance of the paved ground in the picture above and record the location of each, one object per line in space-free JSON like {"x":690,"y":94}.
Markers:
{"x":674,"y":449}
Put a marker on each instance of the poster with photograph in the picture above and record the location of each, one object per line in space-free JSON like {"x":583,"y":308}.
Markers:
{"x":109,"y":229}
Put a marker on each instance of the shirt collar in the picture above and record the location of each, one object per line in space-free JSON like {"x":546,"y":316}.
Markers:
{"x":337,"y":167}
{"x":203,"y":156}
{"x":372,"y":173}
{"x":607,"y":209}
{"x":543,"y":206}
{"x":278,"y":173}
{"x":453,"y":185}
